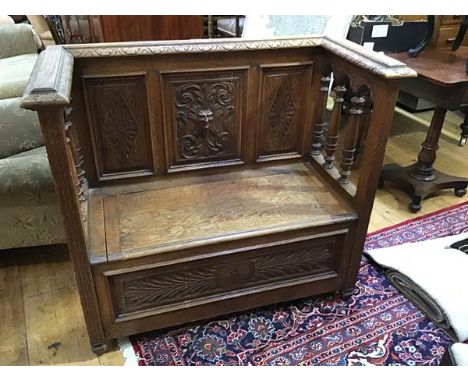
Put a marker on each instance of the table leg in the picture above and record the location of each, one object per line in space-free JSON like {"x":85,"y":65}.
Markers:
{"x":421,"y":180}
{"x":464,"y":128}
{"x":427,"y":156}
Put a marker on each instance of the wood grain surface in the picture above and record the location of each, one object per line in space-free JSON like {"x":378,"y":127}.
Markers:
{"x":286,"y":197}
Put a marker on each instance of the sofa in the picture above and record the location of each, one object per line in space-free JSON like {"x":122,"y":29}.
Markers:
{"x":42,"y":29}
{"x":29,"y":215}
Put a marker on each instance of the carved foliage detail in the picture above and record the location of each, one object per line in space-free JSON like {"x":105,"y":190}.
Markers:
{"x":198,"y":280}
{"x":205,"y":117}
{"x":282,"y":116}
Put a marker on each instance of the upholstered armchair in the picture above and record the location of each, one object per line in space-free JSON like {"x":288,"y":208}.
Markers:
{"x":29,"y":215}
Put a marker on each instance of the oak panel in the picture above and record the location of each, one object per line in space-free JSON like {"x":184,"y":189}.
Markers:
{"x":224,"y":209}
{"x":204,"y":118}
{"x":119,"y":123}
{"x":283,"y":105}
{"x":174,"y":286}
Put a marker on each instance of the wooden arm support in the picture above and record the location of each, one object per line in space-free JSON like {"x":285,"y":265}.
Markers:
{"x":51,"y":79}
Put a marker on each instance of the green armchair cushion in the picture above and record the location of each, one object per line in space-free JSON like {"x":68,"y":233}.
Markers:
{"x":19,"y":128}
{"x":29,"y":214}
{"x":26,"y":172}
{"x":14,"y":74}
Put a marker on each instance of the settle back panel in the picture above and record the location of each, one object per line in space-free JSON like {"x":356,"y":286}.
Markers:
{"x":143,"y":116}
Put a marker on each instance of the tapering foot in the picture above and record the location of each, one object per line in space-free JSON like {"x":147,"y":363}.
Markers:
{"x":98,"y":349}
{"x":347,"y":293}
{"x":460,"y":192}
{"x":415,"y":204}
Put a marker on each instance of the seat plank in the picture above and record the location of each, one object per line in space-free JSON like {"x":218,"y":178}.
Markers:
{"x":234,"y":206}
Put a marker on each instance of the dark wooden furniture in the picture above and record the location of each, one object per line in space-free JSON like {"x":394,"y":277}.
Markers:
{"x":447,"y":29}
{"x":185,"y":178}
{"x":150,"y":27}
{"x":224,"y":26}
{"x":442,"y":81}
{"x":83,"y":29}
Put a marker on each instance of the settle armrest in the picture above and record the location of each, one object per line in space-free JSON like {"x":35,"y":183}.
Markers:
{"x":376,"y":63}
{"x":51,"y":79}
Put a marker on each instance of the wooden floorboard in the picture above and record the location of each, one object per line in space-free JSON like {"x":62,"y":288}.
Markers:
{"x":41,"y":318}
{"x":13,"y":346}
{"x":53,"y":316}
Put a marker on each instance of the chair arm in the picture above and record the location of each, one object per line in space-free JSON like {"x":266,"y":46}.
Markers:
{"x":373,"y":62}
{"x":16,"y":40}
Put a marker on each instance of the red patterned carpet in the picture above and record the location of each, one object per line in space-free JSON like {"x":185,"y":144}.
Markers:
{"x":376,"y":326}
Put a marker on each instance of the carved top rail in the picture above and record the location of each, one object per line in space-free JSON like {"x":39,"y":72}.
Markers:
{"x":380,"y":65}
{"x":50,"y":81}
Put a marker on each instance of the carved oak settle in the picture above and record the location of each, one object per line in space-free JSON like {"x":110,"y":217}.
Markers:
{"x":199,"y":178}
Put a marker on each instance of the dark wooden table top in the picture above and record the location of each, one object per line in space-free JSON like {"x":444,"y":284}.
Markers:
{"x":442,"y":66}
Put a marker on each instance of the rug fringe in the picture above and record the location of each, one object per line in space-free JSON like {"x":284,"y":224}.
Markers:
{"x":130,"y":358}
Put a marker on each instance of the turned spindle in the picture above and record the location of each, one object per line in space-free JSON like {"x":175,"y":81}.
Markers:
{"x":350,"y":139}
{"x":319,"y":126}
{"x":364,"y":124}
{"x":332,"y":136}
{"x":80,"y":180}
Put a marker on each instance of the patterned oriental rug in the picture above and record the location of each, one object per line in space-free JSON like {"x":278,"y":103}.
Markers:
{"x":376,"y":326}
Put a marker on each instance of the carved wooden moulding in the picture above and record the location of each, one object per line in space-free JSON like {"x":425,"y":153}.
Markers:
{"x":203,"y":118}
{"x":118,"y":119}
{"x":165,"y":288}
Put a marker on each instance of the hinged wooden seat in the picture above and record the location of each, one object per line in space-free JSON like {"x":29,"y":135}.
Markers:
{"x":200,"y":178}
{"x":190,"y":211}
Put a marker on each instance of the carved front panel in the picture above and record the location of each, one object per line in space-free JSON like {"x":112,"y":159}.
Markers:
{"x":165,"y":288}
{"x":118,"y":117}
{"x":204,"y":117}
{"x":283,"y":110}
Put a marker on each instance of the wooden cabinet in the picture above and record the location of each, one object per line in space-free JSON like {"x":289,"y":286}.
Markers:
{"x":148,"y":28}
{"x":68,"y":29}
{"x":446,"y":30}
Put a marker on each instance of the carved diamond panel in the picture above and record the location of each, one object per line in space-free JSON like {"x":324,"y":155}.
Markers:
{"x":283,"y":110}
{"x":168,"y":286}
{"x":204,"y":117}
{"x":118,"y":115}
{"x":282,"y":118}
